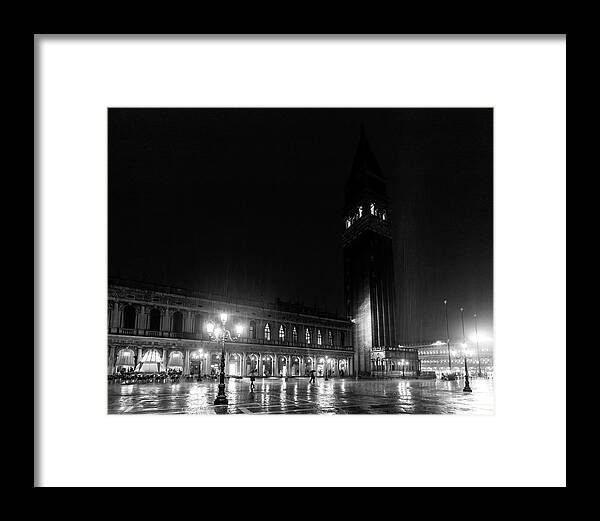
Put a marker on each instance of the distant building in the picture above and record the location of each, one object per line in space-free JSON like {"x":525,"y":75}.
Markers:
{"x":433,"y":356}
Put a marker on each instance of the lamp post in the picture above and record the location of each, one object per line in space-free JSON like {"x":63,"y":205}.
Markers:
{"x":477,"y":343}
{"x":467,"y":387}
{"x":447,"y":335}
{"x":220,"y":334}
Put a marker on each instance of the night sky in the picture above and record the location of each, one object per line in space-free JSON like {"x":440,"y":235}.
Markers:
{"x":248,"y":203}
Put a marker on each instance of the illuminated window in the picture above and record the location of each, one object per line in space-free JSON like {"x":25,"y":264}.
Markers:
{"x":281,"y":333}
{"x":330,"y":337}
{"x":294,"y":334}
{"x":267,"y":332}
{"x":307,"y":335}
{"x":372,"y":208}
{"x":319,"y":337}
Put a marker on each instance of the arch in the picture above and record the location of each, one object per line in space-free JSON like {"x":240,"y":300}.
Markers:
{"x":129,"y":316}
{"x":267,"y":331}
{"x":177,"y":322}
{"x":309,"y":364}
{"x":281,"y":333}
{"x":320,"y":366}
{"x":295,"y":366}
{"x":235,"y":365}
{"x":125,"y":359}
{"x":175,"y":361}
{"x":155,"y":319}
{"x":198,"y":324}
{"x":268,"y":365}
{"x":151,"y":361}
{"x":283,"y":367}
{"x":251,"y":363}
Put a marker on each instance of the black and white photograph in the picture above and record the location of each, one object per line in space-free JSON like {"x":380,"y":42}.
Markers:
{"x":300,"y":261}
{"x":313,"y":260}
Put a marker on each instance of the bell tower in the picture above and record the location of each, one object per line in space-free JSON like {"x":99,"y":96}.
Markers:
{"x":369,"y":286}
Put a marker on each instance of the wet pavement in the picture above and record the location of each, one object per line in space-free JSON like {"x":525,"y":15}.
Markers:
{"x":298,"y":396}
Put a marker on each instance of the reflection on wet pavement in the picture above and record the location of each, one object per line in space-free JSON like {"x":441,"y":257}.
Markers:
{"x":298,"y":396}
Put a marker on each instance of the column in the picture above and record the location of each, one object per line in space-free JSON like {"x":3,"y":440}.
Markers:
{"x":260,"y":365}
{"x":165,"y":359}
{"x":186,"y":362}
{"x":165,"y":320}
{"x":140,"y":318}
{"x":138,"y":358}
{"x":116,"y":319}
{"x":111,"y":360}
{"x":244,"y":367}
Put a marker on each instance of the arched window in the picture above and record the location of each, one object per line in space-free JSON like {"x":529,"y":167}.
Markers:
{"x":177,"y":322}
{"x":372,"y":208}
{"x":155,"y":320}
{"x":342,"y":338}
{"x":281,"y":333}
{"x":319,"y":337}
{"x":330,"y":337}
{"x":252,"y":330}
{"x":307,"y":335}
{"x":267,"y":332}
{"x":294,"y":334}
{"x":129,"y":317}
{"x":360,"y":211}
{"x":198,"y":324}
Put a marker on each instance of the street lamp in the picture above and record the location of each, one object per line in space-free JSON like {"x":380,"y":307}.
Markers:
{"x":477,"y":342}
{"x":467,"y":387}
{"x":447,"y":336}
{"x":220,"y":334}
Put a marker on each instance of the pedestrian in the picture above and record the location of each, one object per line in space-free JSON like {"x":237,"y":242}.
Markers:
{"x":312,"y":377}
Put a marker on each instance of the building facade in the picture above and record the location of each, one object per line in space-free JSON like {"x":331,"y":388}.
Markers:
{"x":435,"y":357}
{"x":155,"y":329}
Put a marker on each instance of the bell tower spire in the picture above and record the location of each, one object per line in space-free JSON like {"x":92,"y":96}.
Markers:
{"x":368,"y":257}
